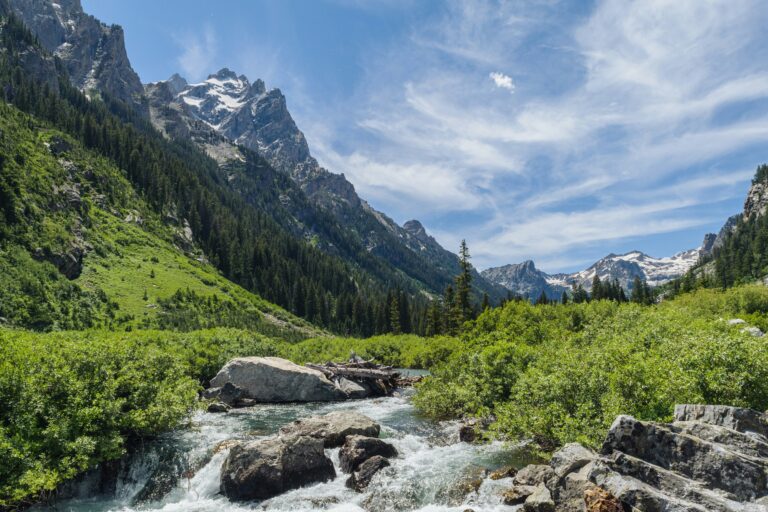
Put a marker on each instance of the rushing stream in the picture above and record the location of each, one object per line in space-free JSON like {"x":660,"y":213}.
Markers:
{"x":433,"y":472}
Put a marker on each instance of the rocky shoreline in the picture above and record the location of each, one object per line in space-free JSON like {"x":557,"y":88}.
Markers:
{"x":711,"y":458}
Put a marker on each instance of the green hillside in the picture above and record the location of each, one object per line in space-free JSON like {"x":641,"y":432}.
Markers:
{"x":71,"y":213}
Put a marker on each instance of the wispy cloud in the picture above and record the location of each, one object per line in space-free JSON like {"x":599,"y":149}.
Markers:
{"x":623,"y":119}
{"x":198,"y":52}
{"x":502,"y":81}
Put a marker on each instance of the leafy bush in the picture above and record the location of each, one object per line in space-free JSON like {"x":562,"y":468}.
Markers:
{"x":72,"y":399}
{"x":563,"y":373}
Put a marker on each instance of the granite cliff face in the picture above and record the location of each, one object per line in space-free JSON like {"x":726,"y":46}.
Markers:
{"x":93,"y":53}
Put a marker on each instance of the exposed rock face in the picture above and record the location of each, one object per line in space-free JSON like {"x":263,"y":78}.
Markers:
{"x":333,"y":428}
{"x":263,"y":469}
{"x":93,"y":53}
{"x":357,"y":449}
{"x":272,"y":379}
{"x":524,"y":279}
{"x":757,"y":200}
{"x":712,"y":458}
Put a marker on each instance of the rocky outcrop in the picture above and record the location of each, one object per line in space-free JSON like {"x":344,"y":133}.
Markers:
{"x":711,"y":458}
{"x":364,"y":473}
{"x":93,"y":53}
{"x":263,"y":469}
{"x":333,"y":428}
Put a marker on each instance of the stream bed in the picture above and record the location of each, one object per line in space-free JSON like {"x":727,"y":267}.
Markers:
{"x":434,"y":471}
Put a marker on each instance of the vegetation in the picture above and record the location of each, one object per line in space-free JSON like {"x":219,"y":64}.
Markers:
{"x":562,"y":373}
{"x":70,"y":400}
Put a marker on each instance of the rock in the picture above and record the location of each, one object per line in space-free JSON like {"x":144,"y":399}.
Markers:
{"x":505,"y":472}
{"x":517,"y":494}
{"x":333,"y":428}
{"x":539,"y":501}
{"x":467,"y":434}
{"x":571,"y":458}
{"x":262,"y":469}
{"x":736,"y":418}
{"x":218,"y":407}
{"x":360,"y":479}
{"x":352,"y":389}
{"x":753,"y":331}
{"x":230,"y":394}
{"x":210,"y":393}
{"x":274,"y":380}
{"x":745,"y":443}
{"x":697,"y":459}
{"x":357,"y":449}
{"x":598,"y":499}
{"x":736,"y":321}
{"x":534,"y":474}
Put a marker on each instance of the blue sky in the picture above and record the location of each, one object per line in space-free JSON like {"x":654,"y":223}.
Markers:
{"x":544,"y":130}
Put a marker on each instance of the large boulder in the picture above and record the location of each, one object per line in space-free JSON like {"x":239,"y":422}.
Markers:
{"x":358,"y":449}
{"x":262,"y":469}
{"x":333,"y":428}
{"x":272,"y":379}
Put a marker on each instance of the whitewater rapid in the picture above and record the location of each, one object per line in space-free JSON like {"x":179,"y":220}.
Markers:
{"x":180,"y":471}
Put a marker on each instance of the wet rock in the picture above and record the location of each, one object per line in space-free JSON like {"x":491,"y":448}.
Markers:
{"x":275,"y":380}
{"x":467,"y":434}
{"x":598,"y":499}
{"x":468,"y":482}
{"x":517,"y":494}
{"x":358,"y":449}
{"x":218,"y":407}
{"x":362,"y":476}
{"x":505,"y":472}
{"x":539,"y":501}
{"x":333,"y":428}
{"x":263,"y":469}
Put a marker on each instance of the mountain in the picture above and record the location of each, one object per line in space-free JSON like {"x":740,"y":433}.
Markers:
{"x":92,"y":52}
{"x":226,"y":113}
{"x":526,"y":280}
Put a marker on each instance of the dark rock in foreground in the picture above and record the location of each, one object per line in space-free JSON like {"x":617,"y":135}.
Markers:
{"x":358,"y":449}
{"x":364,"y":473}
{"x":263,"y":469}
{"x":712,"y":458}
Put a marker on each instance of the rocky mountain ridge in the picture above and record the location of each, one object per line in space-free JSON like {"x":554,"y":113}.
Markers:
{"x":525,"y":280}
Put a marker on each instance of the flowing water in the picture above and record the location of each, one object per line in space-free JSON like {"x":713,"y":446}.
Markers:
{"x":434,"y":472}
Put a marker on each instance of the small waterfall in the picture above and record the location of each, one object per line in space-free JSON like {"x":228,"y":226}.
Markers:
{"x":433,"y":472}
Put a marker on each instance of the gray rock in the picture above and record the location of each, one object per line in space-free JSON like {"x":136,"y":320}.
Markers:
{"x":736,"y":321}
{"x":534,"y":474}
{"x":358,"y":449}
{"x":272,"y":379}
{"x":743,"y":420}
{"x":751,"y":444}
{"x":218,"y":407}
{"x":744,"y":477}
{"x":753,"y":331}
{"x":263,"y":469}
{"x":353,"y":390}
{"x":570,"y":458}
{"x":540,"y":501}
{"x":362,"y":476}
{"x":333,"y":428}
{"x":517,"y":494}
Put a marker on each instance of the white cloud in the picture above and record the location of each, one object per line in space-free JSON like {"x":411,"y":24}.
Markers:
{"x":627,"y":116}
{"x":199,"y":53}
{"x":502,"y":81}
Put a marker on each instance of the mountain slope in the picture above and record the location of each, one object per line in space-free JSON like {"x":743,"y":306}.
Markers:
{"x":250,"y":116}
{"x":81,"y":249}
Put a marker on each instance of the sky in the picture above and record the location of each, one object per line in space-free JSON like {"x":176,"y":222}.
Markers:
{"x":558,"y":131}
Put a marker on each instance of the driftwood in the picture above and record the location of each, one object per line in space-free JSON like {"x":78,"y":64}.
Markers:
{"x":378,"y":379}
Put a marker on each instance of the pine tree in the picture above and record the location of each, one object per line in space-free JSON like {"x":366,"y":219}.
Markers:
{"x":597,"y":288}
{"x":564,"y":298}
{"x":464,"y":286}
{"x":638,"y":291}
{"x":542,"y":298}
{"x":394,"y":314}
{"x":486,"y":302}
